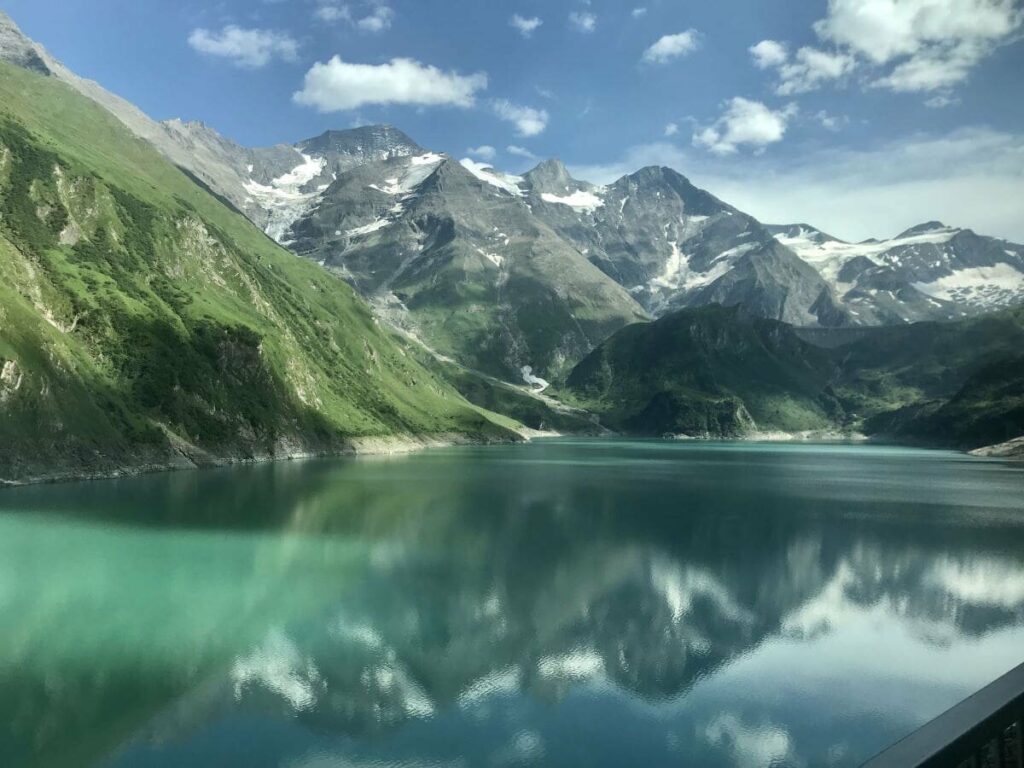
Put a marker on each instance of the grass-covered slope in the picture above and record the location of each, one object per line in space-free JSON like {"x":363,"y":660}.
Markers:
{"x":142,"y":322}
{"x":714,"y":371}
{"x":710,"y":371}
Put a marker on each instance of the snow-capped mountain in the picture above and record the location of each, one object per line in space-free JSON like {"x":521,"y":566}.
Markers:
{"x":930,"y":271}
{"x":523,"y":275}
{"x":674,"y":245}
{"x":451,"y":253}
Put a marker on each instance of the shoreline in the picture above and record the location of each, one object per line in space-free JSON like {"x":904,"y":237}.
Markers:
{"x":398,"y":445}
{"x":379,"y":445}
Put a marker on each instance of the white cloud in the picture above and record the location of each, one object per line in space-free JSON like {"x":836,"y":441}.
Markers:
{"x":811,"y":68}
{"x":332,"y":12}
{"x":583,"y":21}
{"x":377,"y":21}
{"x":637,"y":13}
{"x":671,"y":47}
{"x":972,"y":177}
{"x":831,"y":122}
{"x":744,"y":123}
{"x":768,"y":54}
{"x":527,"y":120}
{"x":484,"y":152}
{"x":525,"y":26}
{"x":883,"y":30}
{"x":671,"y":129}
{"x":806,"y":71}
{"x":338,"y":85}
{"x":931,"y":70}
{"x":512,"y":149}
{"x":246,"y":48}
{"x":930,"y":44}
{"x":941,"y":101}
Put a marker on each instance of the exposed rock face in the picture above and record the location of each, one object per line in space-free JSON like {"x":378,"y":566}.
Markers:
{"x":674,"y":245}
{"x":461,"y":262}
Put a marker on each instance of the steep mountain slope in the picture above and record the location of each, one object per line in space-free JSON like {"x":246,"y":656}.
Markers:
{"x":929,"y":272}
{"x":142,"y":323}
{"x":987,"y":410}
{"x":452,"y":254}
{"x":674,"y":245}
{"x":714,"y":371}
{"x":709,"y":371}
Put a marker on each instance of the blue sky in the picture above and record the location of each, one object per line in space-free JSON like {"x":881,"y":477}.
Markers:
{"x":863,"y":117}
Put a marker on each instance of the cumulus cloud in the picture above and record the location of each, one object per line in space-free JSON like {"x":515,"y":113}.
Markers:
{"x":583,"y":21}
{"x":744,"y":123}
{"x":671,"y":129}
{"x":811,"y":68}
{"x":768,"y":54}
{"x":246,"y":48}
{"x":337,"y":85}
{"x":523,"y":152}
{"x":884,"y":30}
{"x":525,"y":26}
{"x":527,"y":120}
{"x":378,"y":20}
{"x":671,"y":47}
{"x":918,"y":46}
{"x":484,"y":152}
{"x":639,"y":12}
{"x":806,"y":71}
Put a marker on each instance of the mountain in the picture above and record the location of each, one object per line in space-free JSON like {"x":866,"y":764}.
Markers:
{"x":520,"y":277}
{"x":145,"y":324}
{"x":674,"y":245}
{"x":929,"y":272}
{"x":715,"y":371}
{"x":453,"y":254}
{"x":708,"y":371}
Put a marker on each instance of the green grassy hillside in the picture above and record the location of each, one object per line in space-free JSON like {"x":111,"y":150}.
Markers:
{"x":142,"y":322}
{"x":714,"y":372}
{"x":709,"y":371}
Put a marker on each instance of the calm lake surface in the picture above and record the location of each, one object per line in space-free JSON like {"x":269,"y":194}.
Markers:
{"x":566,"y":603}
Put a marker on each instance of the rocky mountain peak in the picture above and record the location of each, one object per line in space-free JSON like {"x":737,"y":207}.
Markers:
{"x":923,"y":229}
{"x":368,"y":141}
{"x":552,"y":176}
{"x":19,"y":50}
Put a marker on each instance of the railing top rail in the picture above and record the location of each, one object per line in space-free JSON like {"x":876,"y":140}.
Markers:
{"x":926,"y":746}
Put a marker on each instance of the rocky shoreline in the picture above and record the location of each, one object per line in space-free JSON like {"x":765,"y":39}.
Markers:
{"x":382,"y":445}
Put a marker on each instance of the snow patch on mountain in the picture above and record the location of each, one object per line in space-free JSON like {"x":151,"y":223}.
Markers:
{"x":580,"y":200}
{"x":486,"y":173}
{"x":287,"y":198}
{"x":414,"y":173}
{"x":366,"y":229}
{"x":832,"y":252}
{"x":987,"y":286}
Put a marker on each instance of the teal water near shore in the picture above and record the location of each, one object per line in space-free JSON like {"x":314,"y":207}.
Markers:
{"x":565,"y":602}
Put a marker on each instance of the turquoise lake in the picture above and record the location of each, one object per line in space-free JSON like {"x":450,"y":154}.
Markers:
{"x":563,"y":603}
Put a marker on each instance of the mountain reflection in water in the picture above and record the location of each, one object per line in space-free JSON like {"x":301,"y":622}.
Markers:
{"x":560,"y":603}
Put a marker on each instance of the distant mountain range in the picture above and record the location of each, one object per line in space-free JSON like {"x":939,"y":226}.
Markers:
{"x":521,"y":276}
{"x":148,"y":323}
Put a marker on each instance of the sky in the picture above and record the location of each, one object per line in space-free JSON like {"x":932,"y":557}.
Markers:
{"x":861,"y":117}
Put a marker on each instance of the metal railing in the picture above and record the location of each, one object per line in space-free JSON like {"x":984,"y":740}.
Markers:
{"x":985,"y":730}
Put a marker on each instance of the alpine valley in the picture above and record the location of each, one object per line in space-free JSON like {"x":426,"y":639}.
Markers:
{"x":172,"y":298}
